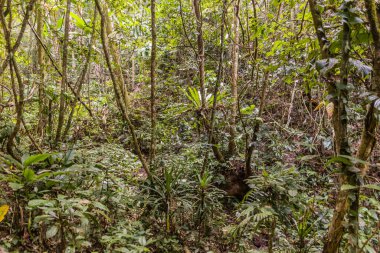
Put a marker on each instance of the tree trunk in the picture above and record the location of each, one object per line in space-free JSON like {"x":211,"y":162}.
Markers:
{"x":212,"y":139}
{"x":371,"y":122}
{"x":210,"y":127}
{"x":80,"y":81}
{"x":41,"y":74}
{"x":62,"y":99}
{"x":18,"y":92}
{"x":117,"y":81}
{"x":200,"y":52}
{"x":115,"y":57}
{"x":368,"y":139}
{"x":256,"y":127}
{"x":153,"y":82}
{"x":16,"y":45}
{"x":339,"y":123}
{"x":234,"y":77}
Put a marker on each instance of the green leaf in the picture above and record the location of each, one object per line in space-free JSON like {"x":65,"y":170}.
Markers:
{"x":339,"y":159}
{"x":38,"y":202}
{"x":360,"y":67}
{"x":44,"y":218}
{"x":326,"y":65}
{"x":194,"y":96}
{"x":59,"y":23}
{"x":29,"y":174}
{"x":16,"y":186}
{"x":46,"y":174}
{"x":79,"y":22}
{"x":372,"y":186}
{"x":355,"y":20}
{"x":354,"y":160}
{"x":247,"y":110}
{"x":51,"y":232}
{"x":348,"y":160}
{"x":346,"y":187}
{"x":308,"y":157}
{"x":292,"y":193}
{"x":33,"y":159}
{"x":100,"y":206}
{"x":142,"y":240}
{"x":377,"y":104}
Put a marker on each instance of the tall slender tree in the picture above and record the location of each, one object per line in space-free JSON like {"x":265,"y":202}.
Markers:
{"x":234,"y":78}
{"x":117,"y":79}
{"x":17,"y":89}
{"x":79,"y":83}
{"x":338,"y":100}
{"x":153,"y":116}
{"x":41,"y":74}
{"x":64,"y":79}
{"x":339,"y":123}
{"x":201,"y":51}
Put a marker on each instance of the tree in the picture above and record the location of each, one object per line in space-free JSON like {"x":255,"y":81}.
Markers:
{"x":64,"y":80}
{"x":153,"y":116}
{"x":201,"y":51}
{"x":339,"y":98}
{"x":234,"y":78}
{"x":117,"y":78}
{"x":155,"y":125}
{"x":41,"y":72}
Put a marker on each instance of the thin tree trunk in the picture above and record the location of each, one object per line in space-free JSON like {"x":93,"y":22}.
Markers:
{"x":18,"y":106}
{"x":18,"y":92}
{"x":29,"y":10}
{"x":80,"y":81}
{"x":117,"y":84}
{"x":115,"y":57}
{"x":41,"y":74}
{"x":349,"y":177}
{"x":291,"y":105}
{"x":34,"y":143}
{"x":211,"y":138}
{"x":234,"y":77}
{"x":339,"y":122}
{"x":201,"y":72}
{"x":133,"y":70}
{"x":62,"y":99}
{"x":371,"y":122}
{"x":153,"y":83}
{"x":368,"y":139}
{"x":255,"y":46}
{"x":336,"y":228}
{"x":200,"y":52}
{"x":72,"y":89}
{"x":184,"y":28}
{"x":256,"y":127}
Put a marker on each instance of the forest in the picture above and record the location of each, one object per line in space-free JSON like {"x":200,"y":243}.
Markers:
{"x":195,"y":126}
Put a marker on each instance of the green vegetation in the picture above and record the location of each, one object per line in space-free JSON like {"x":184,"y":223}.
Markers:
{"x":189,"y":126}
